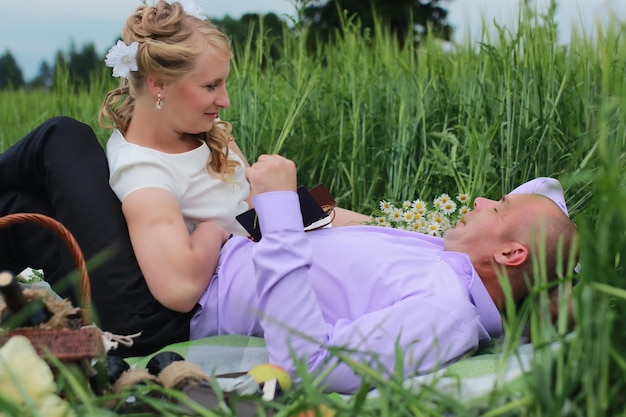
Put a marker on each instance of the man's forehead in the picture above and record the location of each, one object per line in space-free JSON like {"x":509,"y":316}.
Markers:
{"x":547,"y":187}
{"x":527,"y":203}
{"x":515,"y":200}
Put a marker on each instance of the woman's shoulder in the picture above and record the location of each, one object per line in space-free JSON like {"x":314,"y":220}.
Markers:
{"x":123,"y":156}
{"x":117,"y":146}
{"x":120,"y":148}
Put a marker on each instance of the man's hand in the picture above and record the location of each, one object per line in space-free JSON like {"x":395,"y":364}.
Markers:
{"x":271,"y":173}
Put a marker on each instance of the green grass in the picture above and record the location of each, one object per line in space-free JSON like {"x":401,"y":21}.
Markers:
{"x":372,"y":121}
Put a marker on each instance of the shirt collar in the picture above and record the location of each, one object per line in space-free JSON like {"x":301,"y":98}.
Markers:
{"x":488,"y":313}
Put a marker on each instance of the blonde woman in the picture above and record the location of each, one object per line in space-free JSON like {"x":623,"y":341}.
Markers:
{"x":174,"y":165}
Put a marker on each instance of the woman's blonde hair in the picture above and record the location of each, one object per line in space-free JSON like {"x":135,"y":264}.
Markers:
{"x":170,"y":43}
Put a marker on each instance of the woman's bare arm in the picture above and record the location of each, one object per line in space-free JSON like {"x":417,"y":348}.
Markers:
{"x":177,"y":266}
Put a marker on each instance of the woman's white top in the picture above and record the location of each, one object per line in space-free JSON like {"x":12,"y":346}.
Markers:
{"x":201,"y":196}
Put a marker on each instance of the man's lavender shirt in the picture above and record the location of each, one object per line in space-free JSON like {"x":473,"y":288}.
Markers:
{"x":368,"y":289}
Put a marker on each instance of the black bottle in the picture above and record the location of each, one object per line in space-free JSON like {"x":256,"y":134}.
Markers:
{"x":20,"y":312}
{"x":108,"y":371}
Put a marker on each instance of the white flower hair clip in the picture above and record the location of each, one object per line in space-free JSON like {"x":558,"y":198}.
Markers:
{"x":122,"y":58}
{"x":193,"y":8}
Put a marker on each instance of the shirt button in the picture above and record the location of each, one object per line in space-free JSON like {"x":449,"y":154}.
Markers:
{"x":438,"y":258}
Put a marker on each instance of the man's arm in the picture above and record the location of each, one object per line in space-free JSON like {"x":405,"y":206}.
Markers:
{"x":345,"y":217}
{"x":428,"y":333}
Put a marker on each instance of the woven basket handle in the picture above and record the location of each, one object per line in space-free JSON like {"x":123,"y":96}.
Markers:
{"x":70,"y":241}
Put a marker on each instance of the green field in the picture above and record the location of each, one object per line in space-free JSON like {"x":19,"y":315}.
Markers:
{"x":372,"y":121}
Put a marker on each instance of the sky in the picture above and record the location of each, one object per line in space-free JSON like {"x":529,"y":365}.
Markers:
{"x":34,"y":30}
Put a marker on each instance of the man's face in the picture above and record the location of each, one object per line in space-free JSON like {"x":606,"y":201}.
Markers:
{"x":485,"y":227}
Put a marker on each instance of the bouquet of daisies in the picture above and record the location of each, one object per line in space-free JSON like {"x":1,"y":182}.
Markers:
{"x":422,"y":217}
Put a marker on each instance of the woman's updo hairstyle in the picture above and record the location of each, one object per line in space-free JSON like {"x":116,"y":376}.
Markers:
{"x":170,"y":43}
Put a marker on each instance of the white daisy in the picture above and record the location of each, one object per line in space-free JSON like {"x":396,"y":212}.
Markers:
{"x":385,"y":206}
{"x":396,"y":215}
{"x":463,"y":198}
{"x":408,"y":216}
{"x":448,"y":207}
{"x":381,"y":221}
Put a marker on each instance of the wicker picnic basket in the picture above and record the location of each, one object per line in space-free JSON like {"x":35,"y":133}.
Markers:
{"x":78,"y":340}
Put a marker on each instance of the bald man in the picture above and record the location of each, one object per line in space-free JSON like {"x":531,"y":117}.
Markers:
{"x":362,"y":293}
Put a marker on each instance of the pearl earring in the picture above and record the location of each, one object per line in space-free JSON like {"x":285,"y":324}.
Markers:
{"x":159,"y":102}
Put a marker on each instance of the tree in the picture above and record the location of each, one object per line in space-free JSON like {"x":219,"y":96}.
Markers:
{"x":83,"y":64}
{"x":10,"y":73}
{"x":407,"y":19}
{"x":45,"y":78}
{"x":77,"y":68}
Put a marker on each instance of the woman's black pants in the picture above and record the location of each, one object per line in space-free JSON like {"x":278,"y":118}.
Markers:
{"x":60,"y":170}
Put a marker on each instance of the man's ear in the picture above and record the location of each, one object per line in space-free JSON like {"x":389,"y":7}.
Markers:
{"x":511,"y":254}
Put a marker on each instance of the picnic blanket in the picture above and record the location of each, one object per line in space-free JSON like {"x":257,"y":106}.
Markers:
{"x":217,"y":354}
{"x":470,"y":378}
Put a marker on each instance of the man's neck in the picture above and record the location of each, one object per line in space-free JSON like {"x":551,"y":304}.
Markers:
{"x":490,"y":279}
